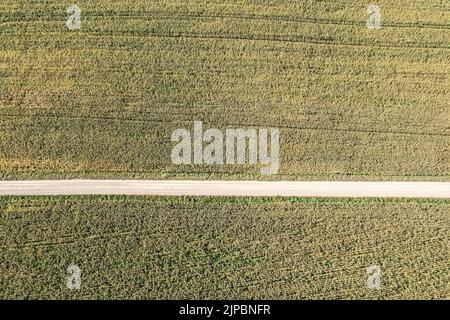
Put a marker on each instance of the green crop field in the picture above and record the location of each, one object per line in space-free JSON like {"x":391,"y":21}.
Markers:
{"x":101,"y":102}
{"x":229,"y":248}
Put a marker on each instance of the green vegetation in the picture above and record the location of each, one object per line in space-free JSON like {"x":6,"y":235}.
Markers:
{"x":155,"y":247}
{"x":351,"y":103}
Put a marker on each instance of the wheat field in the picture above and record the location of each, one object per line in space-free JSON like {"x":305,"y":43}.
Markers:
{"x":101,"y":102}
{"x":223,"y":248}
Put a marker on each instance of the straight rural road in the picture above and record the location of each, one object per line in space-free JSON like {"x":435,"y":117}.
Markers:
{"x":227,"y":188}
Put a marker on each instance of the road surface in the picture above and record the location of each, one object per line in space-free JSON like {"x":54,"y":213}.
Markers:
{"x":227,"y":188}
